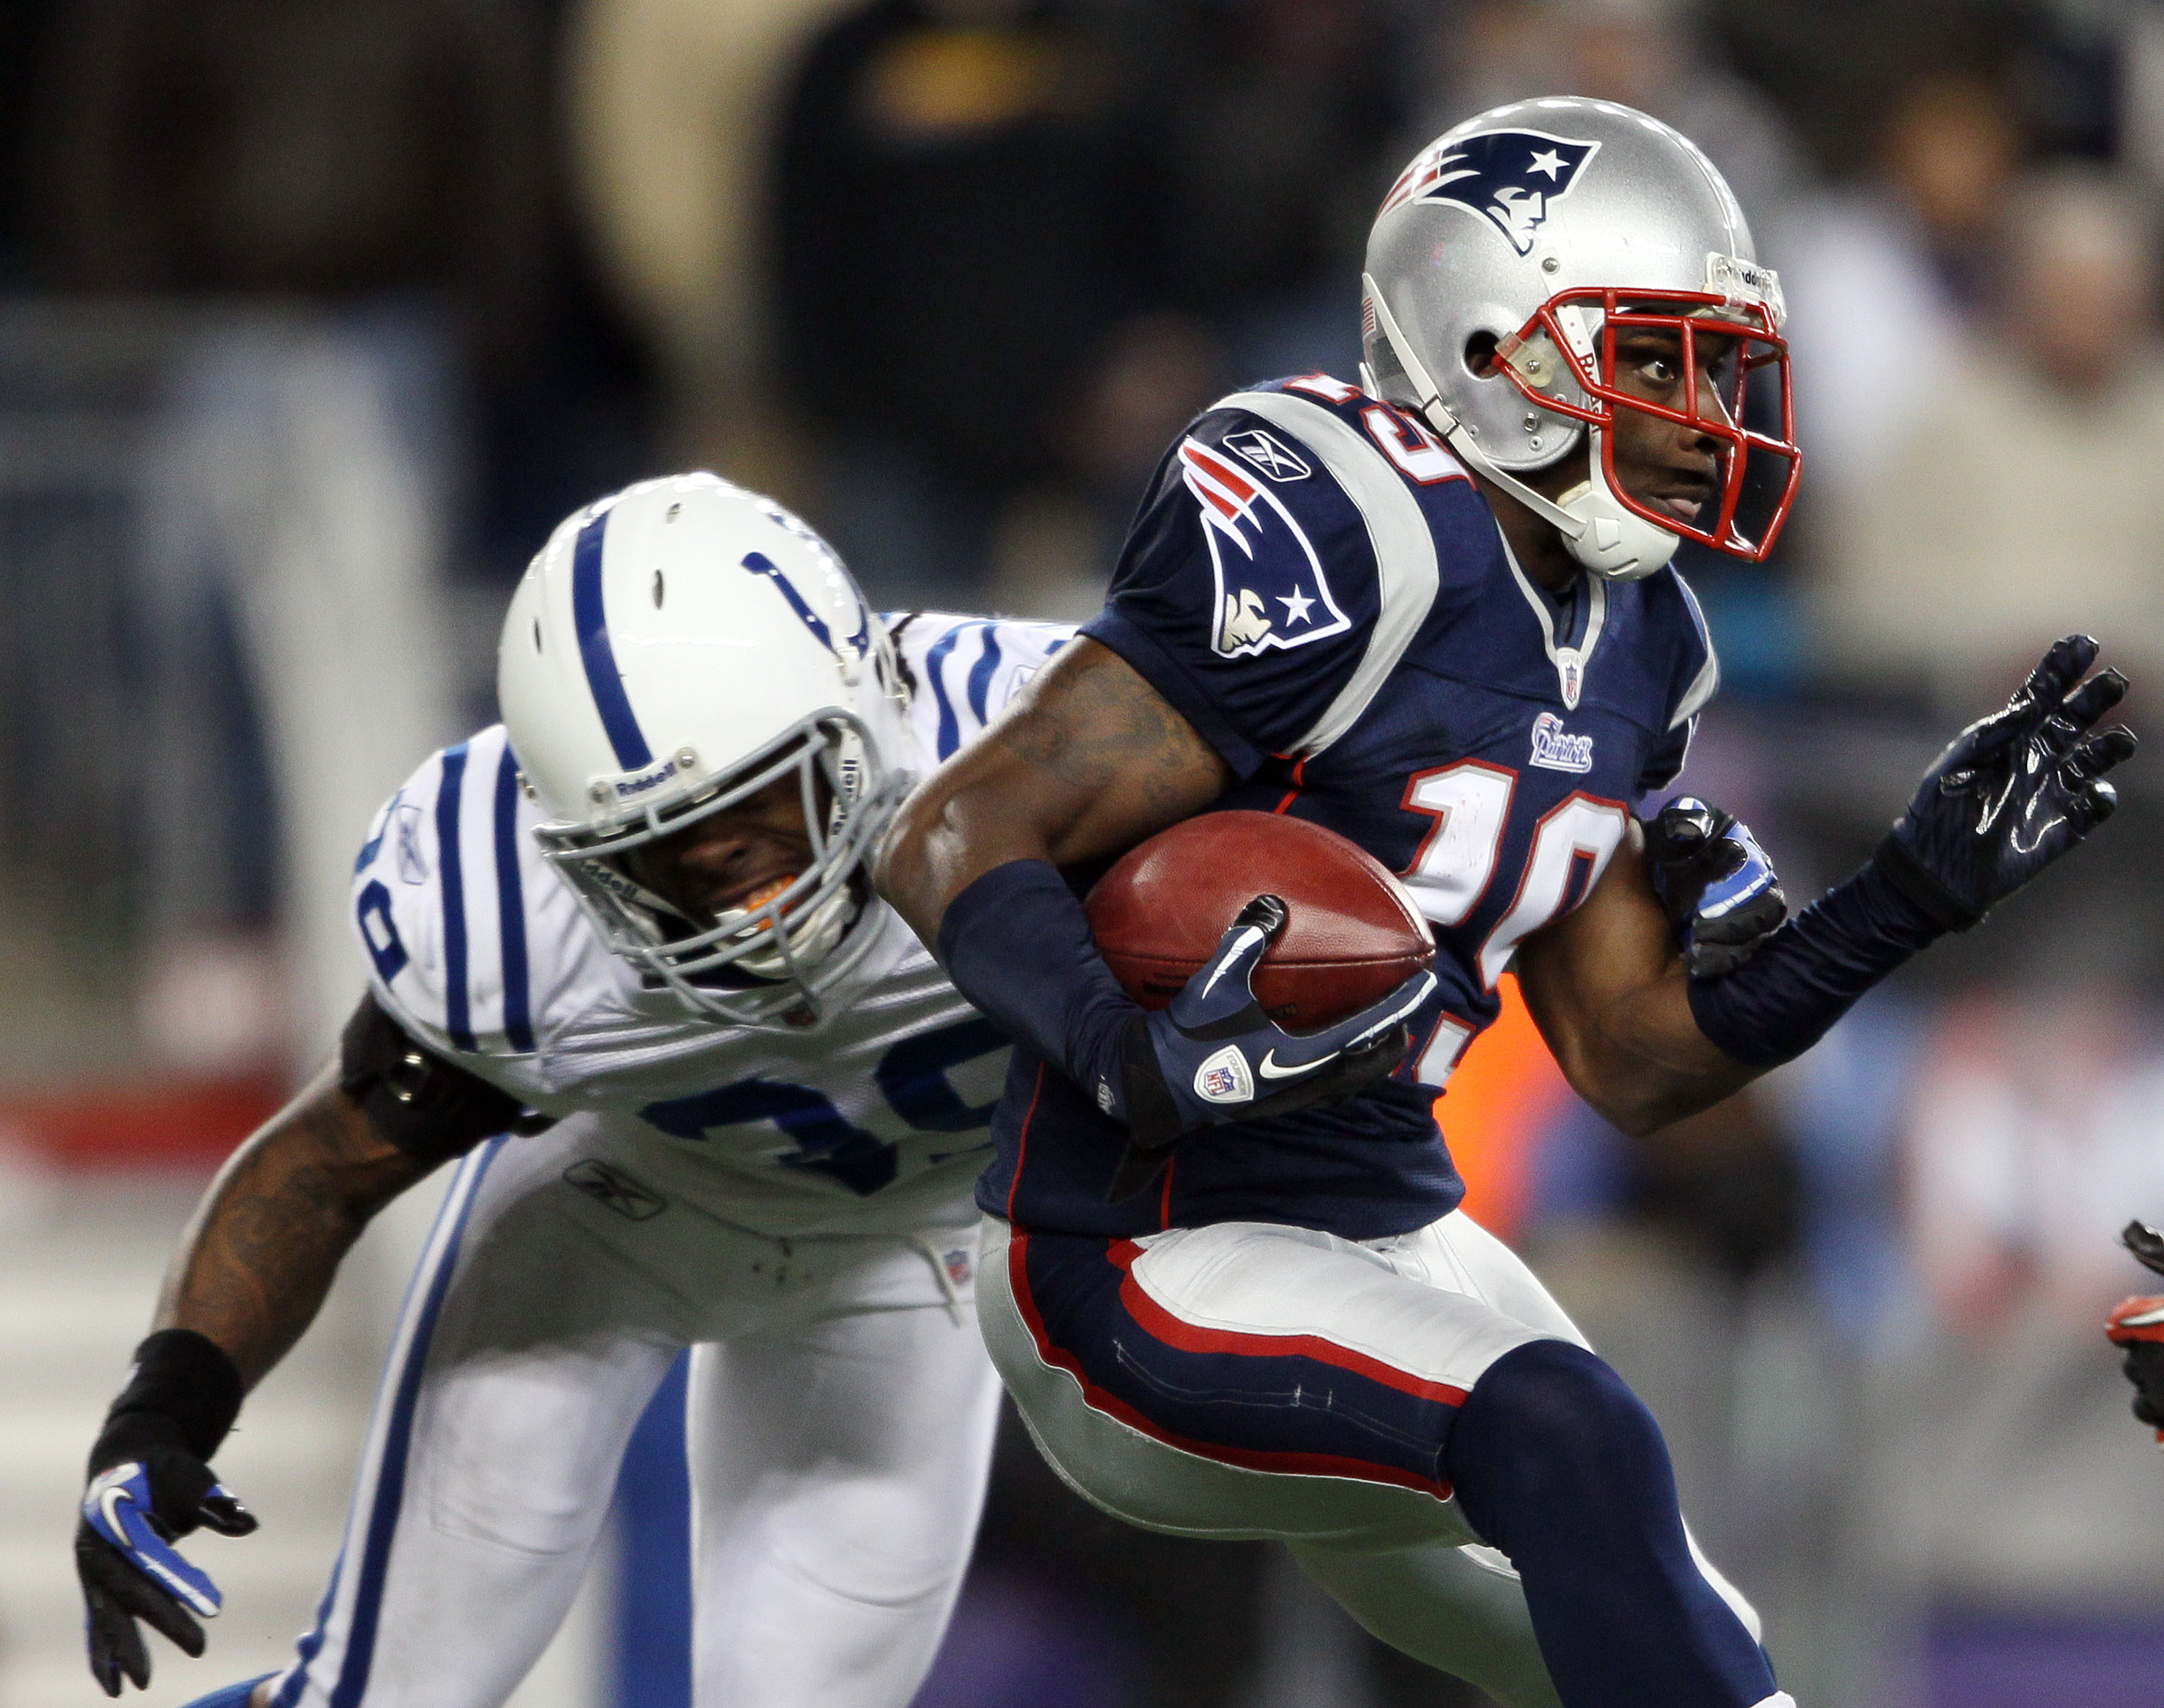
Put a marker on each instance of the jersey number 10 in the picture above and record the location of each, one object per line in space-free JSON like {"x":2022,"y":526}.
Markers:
{"x":1470,"y":802}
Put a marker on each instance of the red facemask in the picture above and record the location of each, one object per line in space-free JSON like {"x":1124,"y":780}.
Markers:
{"x":1545,"y":361}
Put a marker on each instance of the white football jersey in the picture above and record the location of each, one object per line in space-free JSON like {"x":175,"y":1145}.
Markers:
{"x":874,"y":1119}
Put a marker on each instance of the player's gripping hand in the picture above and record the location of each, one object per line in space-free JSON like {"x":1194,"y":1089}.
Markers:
{"x":1715,"y":884}
{"x":1214,"y":1056}
{"x":2138,"y":1326}
{"x":149,"y":1486}
{"x":2012,"y":792}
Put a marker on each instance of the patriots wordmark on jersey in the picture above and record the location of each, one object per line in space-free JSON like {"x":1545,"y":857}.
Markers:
{"x":1356,"y":642}
{"x":873,"y":1117}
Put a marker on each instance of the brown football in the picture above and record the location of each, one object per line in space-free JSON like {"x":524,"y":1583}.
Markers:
{"x":1352,"y":937}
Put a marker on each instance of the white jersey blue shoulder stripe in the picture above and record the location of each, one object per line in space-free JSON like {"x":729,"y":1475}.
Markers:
{"x":441,"y":892}
{"x":965,"y":669}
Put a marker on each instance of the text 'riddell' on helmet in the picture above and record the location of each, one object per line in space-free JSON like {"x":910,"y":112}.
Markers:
{"x":672,"y":652}
{"x":1510,"y":261}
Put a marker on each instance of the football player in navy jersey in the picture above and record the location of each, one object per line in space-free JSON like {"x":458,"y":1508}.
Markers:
{"x":1227,"y":1280}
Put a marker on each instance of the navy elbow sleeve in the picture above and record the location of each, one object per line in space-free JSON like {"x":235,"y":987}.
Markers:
{"x":1017,"y":943}
{"x":1809,"y":973}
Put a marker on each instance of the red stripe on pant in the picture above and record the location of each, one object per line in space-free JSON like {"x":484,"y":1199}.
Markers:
{"x":1185,"y":1336}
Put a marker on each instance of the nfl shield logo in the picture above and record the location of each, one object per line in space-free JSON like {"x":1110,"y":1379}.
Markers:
{"x":1225,"y":1078}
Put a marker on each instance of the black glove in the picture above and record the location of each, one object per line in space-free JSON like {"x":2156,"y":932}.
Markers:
{"x":1214,"y":1056}
{"x":2137,"y":1325}
{"x":150,"y":1485}
{"x":1715,"y":884}
{"x":2012,"y":792}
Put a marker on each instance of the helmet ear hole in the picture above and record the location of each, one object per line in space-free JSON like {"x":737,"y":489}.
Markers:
{"x":1479,"y":356}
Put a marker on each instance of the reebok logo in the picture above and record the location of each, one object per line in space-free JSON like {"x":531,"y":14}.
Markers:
{"x":1273,"y":457}
{"x":612,"y":1189}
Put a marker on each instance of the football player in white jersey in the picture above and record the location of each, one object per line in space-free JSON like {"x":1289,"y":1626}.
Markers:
{"x":703,"y":1090}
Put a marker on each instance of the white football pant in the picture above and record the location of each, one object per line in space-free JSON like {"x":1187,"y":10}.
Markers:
{"x":1428,"y":1311}
{"x":842,"y":1412}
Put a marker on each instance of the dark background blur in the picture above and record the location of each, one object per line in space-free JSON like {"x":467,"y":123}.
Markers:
{"x":315,"y":318}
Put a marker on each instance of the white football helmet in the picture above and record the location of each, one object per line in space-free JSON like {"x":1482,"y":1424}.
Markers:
{"x":1541,"y":228}
{"x":673,"y":650}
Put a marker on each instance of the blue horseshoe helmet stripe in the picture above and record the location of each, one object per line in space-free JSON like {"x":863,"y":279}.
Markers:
{"x":605,"y":681}
{"x":760,"y":563}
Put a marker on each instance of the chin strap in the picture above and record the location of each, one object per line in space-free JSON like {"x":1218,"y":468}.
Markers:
{"x":1598,"y":530}
{"x":1613,"y":541}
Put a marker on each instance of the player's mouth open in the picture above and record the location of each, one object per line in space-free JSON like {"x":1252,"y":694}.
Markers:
{"x":756,"y":896}
{"x":1683,"y":500}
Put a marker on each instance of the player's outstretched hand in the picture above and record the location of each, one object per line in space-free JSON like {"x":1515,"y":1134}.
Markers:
{"x":1214,"y":1056}
{"x":2013,"y":791}
{"x":2138,"y":1326}
{"x":148,"y":1490}
{"x":1715,"y":884}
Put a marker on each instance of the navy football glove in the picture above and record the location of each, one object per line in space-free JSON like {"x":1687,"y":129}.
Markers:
{"x":1214,"y":1056}
{"x":2012,"y":792}
{"x":149,"y":1486}
{"x":1715,"y":884}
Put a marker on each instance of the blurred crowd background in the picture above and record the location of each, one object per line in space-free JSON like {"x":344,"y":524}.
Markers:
{"x":316,"y":316}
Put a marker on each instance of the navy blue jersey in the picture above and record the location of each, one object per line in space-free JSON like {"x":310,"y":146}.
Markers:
{"x":1317,"y":587}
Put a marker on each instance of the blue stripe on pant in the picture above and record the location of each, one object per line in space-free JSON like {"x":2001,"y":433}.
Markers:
{"x":653,"y":1525}
{"x":1293,"y":1403}
{"x":424,"y":1305}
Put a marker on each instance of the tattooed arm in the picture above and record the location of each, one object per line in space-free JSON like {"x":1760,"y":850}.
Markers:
{"x":253,"y":1266}
{"x":1087,"y":762}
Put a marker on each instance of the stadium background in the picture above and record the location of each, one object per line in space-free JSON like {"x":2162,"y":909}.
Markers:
{"x":315,"y":317}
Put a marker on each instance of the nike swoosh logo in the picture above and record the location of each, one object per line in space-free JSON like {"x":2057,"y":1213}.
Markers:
{"x":108,"y":1506}
{"x":1269,"y":1070}
{"x":2146,"y":1319}
{"x":1241,"y":944}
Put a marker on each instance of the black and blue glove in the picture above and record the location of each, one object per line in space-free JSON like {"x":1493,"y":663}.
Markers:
{"x":1715,"y":884}
{"x":1213,"y":1055}
{"x":2012,"y":792}
{"x":150,"y":1485}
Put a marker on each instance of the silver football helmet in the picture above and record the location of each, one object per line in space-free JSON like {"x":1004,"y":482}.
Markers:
{"x":1540,"y":230}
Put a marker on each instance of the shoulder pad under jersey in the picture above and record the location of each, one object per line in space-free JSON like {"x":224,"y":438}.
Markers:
{"x":439,"y":901}
{"x":1693,"y":680}
{"x":1293,"y":543}
{"x":962,"y":670}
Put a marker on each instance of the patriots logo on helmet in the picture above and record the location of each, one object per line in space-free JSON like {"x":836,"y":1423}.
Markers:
{"x":1513,"y":177}
{"x":1271,"y":589}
